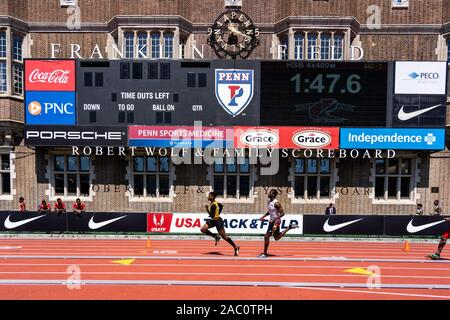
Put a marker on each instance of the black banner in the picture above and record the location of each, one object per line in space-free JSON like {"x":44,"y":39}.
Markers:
{"x":108,"y":222}
{"x":348,"y":225}
{"x":327,"y":93}
{"x":419,"y":111}
{"x":88,"y":222}
{"x":111,"y":136}
{"x":32,"y":222}
{"x":417,"y":225}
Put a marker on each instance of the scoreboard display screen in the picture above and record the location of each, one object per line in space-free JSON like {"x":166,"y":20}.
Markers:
{"x":168,"y":92}
{"x":324,"y":93}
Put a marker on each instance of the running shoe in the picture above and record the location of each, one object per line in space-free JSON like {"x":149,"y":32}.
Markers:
{"x":263,"y":255}
{"x":236,"y":251}
{"x":435,"y":256}
{"x":217,"y":240}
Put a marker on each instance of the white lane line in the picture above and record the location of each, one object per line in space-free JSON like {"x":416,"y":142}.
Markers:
{"x":227,"y":274}
{"x":218,"y":265}
{"x":376,"y":292}
{"x":220,"y":258}
{"x":223,"y":283}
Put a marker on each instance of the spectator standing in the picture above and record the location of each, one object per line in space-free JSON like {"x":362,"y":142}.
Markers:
{"x":330,"y":210}
{"x":22,"y":206}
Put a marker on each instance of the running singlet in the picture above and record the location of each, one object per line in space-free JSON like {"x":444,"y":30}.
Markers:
{"x":273,"y":211}
{"x":214,"y":210}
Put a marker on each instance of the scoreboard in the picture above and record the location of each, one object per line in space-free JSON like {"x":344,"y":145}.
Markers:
{"x":168,"y":92}
{"x":324,"y":93}
{"x":100,"y":101}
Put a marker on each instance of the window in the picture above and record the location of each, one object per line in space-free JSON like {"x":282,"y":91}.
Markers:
{"x":155,"y":45}
{"x":2,"y":44}
{"x":3,"y":81}
{"x":299,"y":46}
{"x":183,"y":42}
{"x":231,"y":180}
{"x":129,"y":45}
{"x":284,"y":42}
{"x":18,"y":78}
{"x":338,"y":47}
{"x":11,"y":56}
{"x":142,"y":45}
{"x":312,"y":43}
{"x":394,"y":179}
{"x":71,"y":176}
{"x":312,"y":179}
{"x":151,"y":177}
{"x":17,"y":48}
{"x":5,"y":175}
{"x":168,"y":45}
{"x":325,"y":42}
{"x":448,"y":50}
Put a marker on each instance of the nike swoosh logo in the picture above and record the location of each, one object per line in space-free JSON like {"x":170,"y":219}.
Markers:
{"x":413,"y":229}
{"x":403,"y":116}
{"x":15,"y":224}
{"x":328,"y":228}
{"x":97,"y":225}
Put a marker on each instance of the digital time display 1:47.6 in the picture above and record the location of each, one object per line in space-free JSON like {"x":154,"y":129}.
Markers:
{"x":324,"y":93}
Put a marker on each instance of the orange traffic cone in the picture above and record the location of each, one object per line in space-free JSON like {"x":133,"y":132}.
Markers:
{"x":406,"y":247}
{"x":149,"y":244}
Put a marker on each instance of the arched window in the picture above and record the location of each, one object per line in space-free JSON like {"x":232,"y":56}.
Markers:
{"x":325,"y":43}
{"x":155,"y":45}
{"x":338,"y":46}
{"x":448,"y":50}
{"x":299,"y":46}
{"x":129,"y":45}
{"x":168,"y":45}
{"x":312,"y":41}
{"x":142,"y":45}
{"x":284,"y":49}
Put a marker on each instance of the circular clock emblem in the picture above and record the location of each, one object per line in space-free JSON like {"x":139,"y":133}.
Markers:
{"x":233,"y":34}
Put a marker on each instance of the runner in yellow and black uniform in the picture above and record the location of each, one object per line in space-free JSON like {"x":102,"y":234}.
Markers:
{"x":215,"y":221}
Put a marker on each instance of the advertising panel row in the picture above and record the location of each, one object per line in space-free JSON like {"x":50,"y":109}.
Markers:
{"x":242,"y":224}
{"x":237,"y":137}
{"x":236,"y":93}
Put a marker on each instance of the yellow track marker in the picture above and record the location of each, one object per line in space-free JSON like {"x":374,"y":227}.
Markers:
{"x":125,"y":262}
{"x":360,"y":271}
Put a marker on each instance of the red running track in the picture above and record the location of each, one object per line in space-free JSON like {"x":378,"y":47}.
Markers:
{"x":196,"y":269}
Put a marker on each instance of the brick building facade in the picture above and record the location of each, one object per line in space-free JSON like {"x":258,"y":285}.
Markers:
{"x":420,"y":32}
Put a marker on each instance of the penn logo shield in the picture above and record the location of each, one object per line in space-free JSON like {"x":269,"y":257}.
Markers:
{"x":234,"y":89}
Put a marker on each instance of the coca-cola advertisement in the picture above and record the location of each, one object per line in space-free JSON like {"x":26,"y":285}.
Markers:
{"x":50,"y":75}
